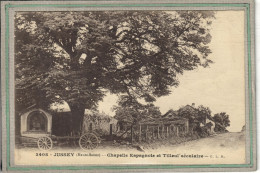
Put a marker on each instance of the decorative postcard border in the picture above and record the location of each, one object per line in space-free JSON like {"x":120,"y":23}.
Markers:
{"x":118,"y":167}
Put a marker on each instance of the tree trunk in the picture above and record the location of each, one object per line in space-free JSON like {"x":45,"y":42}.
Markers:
{"x":77,"y":115}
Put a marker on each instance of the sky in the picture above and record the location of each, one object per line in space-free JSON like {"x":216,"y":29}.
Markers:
{"x":221,"y":87}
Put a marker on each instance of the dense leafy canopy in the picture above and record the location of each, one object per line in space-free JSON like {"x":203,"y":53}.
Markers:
{"x":222,"y":121}
{"x":128,"y":115}
{"x":78,"y":56}
{"x":195,"y":115}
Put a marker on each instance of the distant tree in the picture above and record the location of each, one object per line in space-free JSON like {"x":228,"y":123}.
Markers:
{"x":188,"y":112}
{"x":203,"y":113}
{"x":130,"y":115}
{"x":191,"y":113}
{"x":243,"y":128}
{"x":196,"y":116}
{"x":221,"y":121}
{"x":77,"y":57}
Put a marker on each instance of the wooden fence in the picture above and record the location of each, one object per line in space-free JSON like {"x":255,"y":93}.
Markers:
{"x":149,"y":132}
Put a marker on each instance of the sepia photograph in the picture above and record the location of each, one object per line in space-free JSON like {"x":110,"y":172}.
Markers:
{"x":129,"y":87}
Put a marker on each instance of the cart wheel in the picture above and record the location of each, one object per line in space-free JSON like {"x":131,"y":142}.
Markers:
{"x":88,"y":141}
{"x":44,"y":143}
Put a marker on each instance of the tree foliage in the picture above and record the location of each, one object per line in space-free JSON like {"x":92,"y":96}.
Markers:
{"x":222,"y":121}
{"x":203,"y":113}
{"x":78,"y":56}
{"x":189,"y":112}
{"x":130,"y":115}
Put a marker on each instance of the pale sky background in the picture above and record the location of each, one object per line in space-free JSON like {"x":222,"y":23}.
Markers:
{"x":221,"y":87}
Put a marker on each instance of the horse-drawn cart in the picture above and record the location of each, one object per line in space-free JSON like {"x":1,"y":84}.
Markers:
{"x":85,"y":141}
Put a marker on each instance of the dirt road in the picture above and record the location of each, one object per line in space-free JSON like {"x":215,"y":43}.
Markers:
{"x":218,"y":142}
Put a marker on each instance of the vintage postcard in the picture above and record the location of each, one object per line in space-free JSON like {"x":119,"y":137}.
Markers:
{"x":126,"y":86}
